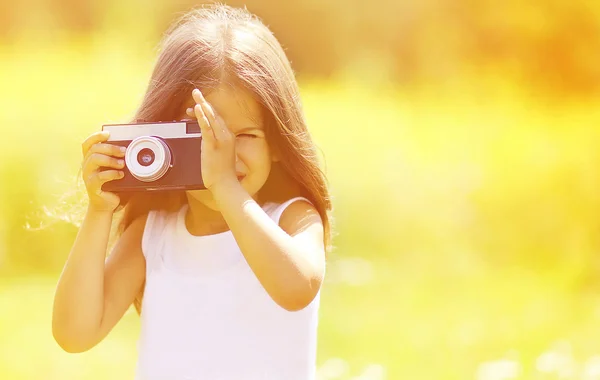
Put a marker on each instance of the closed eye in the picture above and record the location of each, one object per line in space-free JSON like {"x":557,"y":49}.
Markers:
{"x":248,"y":135}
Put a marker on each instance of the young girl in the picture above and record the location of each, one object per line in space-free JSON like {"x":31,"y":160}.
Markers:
{"x":227,"y":279}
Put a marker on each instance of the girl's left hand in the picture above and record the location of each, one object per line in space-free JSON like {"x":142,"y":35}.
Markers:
{"x":218,"y":145}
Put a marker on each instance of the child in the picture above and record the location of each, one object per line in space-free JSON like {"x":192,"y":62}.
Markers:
{"x":227,"y":279}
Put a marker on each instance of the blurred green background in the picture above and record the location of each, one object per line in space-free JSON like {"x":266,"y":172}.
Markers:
{"x":460,"y":139}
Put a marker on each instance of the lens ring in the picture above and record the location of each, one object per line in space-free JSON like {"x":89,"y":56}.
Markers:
{"x":154,"y":170}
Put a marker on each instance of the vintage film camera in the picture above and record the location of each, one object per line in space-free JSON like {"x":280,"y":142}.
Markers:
{"x":160,"y":156}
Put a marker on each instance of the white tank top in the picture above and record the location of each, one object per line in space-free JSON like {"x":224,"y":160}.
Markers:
{"x":206,"y":316}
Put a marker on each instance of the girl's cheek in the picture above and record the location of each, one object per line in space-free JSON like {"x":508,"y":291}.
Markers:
{"x":246,"y":145}
{"x":252,"y":151}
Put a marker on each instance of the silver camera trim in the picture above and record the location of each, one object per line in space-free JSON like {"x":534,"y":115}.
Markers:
{"x":166,"y":130}
{"x":162,"y":158}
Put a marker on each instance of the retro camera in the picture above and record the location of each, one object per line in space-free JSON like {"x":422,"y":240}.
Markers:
{"x":160,"y":156}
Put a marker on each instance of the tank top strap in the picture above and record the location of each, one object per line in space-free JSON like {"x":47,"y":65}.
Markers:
{"x":154,"y":236}
{"x":277,"y":210}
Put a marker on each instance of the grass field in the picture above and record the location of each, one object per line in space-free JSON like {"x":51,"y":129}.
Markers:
{"x":466,"y":220}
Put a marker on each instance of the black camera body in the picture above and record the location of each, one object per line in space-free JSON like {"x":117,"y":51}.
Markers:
{"x":160,"y":156}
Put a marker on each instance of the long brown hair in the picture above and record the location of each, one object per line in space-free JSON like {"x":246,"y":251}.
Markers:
{"x":215,"y":43}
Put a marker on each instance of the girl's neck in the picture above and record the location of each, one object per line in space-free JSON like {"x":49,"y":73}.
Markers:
{"x":201,"y":220}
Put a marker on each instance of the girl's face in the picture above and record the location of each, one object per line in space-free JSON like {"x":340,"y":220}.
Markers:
{"x":243,"y":117}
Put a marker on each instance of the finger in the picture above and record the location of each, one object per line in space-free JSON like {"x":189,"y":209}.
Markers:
{"x":107,"y":149}
{"x":221,"y":131}
{"x":209,"y":113}
{"x":100,"y":178}
{"x":206,"y":107}
{"x":94,"y":138}
{"x":207,"y":132}
{"x":98,"y":160}
{"x":197,"y":95}
{"x":217,"y":124}
{"x":203,"y":107}
{"x":110,"y":198}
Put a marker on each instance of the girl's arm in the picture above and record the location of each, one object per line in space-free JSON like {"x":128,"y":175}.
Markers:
{"x":93,"y":292}
{"x":289,"y":259}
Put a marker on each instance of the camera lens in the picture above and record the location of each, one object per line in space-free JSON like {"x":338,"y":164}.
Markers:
{"x":145,"y":157}
{"x":148,"y":158}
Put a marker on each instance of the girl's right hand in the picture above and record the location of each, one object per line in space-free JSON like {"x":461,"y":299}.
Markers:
{"x":98,"y":154}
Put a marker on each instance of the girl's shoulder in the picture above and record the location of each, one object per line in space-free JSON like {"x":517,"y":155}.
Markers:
{"x":275,"y":209}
